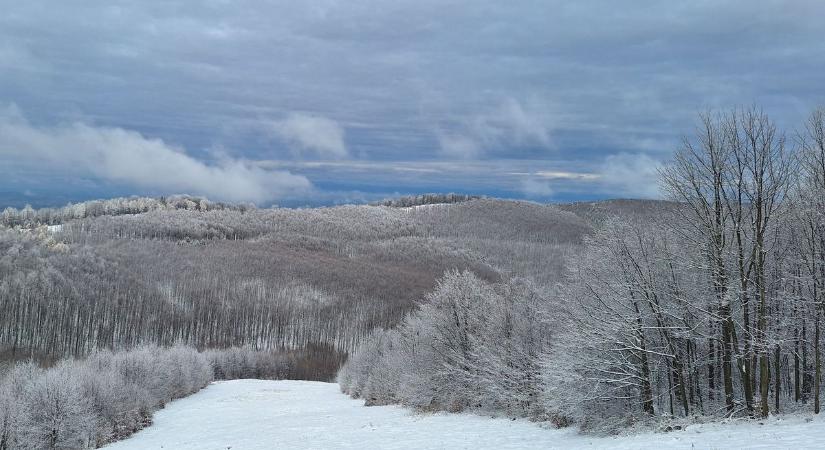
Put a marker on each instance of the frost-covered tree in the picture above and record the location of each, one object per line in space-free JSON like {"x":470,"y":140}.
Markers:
{"x":471,"y":345}
{"x":12,"y":387}
{"x":55,"y":414}
{"x":633,"y":337}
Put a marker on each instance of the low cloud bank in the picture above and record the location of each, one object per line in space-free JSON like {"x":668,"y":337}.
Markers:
{"x":127,"y":157}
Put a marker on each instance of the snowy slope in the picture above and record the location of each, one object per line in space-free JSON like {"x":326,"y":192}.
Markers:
{"x":254,"y":414}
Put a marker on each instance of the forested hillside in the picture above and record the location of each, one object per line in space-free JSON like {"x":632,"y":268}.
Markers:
{"x":125,"y":272}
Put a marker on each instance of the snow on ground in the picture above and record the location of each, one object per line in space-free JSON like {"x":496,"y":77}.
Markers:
{"x":257,"y":414}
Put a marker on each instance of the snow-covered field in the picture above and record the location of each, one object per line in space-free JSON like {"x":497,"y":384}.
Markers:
{"x":255,"y":414}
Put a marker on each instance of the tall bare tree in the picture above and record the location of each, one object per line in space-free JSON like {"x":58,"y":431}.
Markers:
{"x":811,"y":211}
{"x":697,"y":178}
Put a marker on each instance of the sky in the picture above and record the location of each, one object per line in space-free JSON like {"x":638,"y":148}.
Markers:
{"x":326,"y":101}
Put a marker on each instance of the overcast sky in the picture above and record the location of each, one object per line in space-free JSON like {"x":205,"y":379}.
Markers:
{"x":328,"y":101}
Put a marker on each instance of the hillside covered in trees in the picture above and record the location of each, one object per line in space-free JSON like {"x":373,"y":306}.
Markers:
{"x":121,"y":273}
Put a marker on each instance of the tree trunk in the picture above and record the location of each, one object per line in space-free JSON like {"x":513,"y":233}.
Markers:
{"x":796,"y":377}
{"x":817,"y":363}
{"x":764,"y":381}
{"x":647,"y":390}
{"x":745,"y":363}
{"x":727,"y":372}
{"x":711,"y":368}
{"x":777,"y":377}
{"x":762,"y":322}
{"x":806,"y":368}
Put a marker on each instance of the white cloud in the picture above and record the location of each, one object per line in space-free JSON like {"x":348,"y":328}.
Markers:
{"x":526,"y":127}
{"x":508,"y":125}
{"x":125,"y":156}
{"x":533,"y":187}
{"x":319,"y":135}
{"x":457,"y":146}
{"x":631,"y":174}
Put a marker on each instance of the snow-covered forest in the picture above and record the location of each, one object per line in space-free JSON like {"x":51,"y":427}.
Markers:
{"x":711,"y":306}
{"x":601,"y":315}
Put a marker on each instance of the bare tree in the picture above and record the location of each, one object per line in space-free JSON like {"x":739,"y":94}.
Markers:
{"x":697,"y":178}
{"x":811,"y":212}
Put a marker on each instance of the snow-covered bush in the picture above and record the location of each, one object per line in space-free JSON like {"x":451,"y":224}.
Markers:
{"x":110,"y":395}
{"x":54,"y":412}
{"x":471,"y":345}
{"x":186,"y":371}
{"x":120,"y":407}
{"x":12,"y":386}
{"x":88,"y":403}
{"x":372,"y":373}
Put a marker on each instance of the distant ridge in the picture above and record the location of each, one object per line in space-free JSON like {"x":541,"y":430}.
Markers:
{"x":425,"y":199}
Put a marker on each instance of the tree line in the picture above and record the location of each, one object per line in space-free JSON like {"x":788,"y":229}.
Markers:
{"x":28,"y":216}
{"x":426,"y":199}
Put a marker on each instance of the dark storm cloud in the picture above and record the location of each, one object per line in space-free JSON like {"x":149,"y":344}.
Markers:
{"x":602,"y":88}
